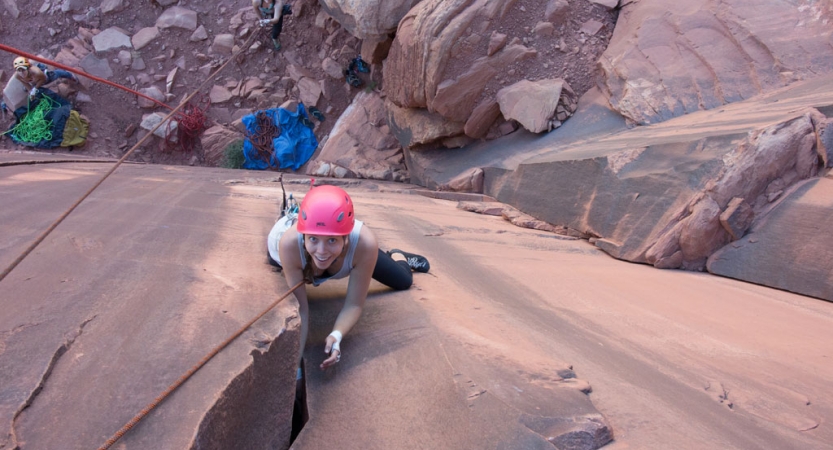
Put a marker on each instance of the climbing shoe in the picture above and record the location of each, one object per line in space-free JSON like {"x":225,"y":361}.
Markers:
{"x":417,"y":263}
{"x":352,"y":78}
{"x":277,"y":44}
{"x":316,"y":113}
{"x":359,"y":64}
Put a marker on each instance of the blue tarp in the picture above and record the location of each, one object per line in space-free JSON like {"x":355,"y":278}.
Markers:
{"x":293,"y":147}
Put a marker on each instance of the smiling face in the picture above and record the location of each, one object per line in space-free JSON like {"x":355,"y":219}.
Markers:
{"x":323,"y":249}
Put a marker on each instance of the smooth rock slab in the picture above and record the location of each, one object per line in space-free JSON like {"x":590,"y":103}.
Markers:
{"x":134,"y":290}
{"x":790,"y":249}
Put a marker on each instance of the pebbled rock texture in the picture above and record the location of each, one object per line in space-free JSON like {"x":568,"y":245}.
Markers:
{"x":667,"y":59}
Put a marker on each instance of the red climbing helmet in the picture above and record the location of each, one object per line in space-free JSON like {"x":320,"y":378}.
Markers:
{"x":326,"y":210}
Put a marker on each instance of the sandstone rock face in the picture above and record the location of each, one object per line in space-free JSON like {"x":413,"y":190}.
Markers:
{"x":667,"y":59}
{"x":215,"y":140}
{"x":368,"y":18}
{"x":782,"y":251}
{"x":756,"y":172}
{"x":451,"y":57}
{"x":671,"y":205}
{"x":362,"y":143}
{"x":414,"y":126}
{"x":534,"y":104}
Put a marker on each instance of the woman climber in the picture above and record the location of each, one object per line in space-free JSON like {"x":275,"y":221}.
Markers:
{"x":36,"y":76}
{"x":322,"y":240}
{"x":271,"y":12}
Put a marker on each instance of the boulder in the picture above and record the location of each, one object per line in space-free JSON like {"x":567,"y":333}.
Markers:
{"x":824,"y":144}
{"x":166,"y":130}
{"x":452,"y":59}
{"x":667,"y":59}
{"x":483,"y":116}
{"x":96,"y":66}
{"x":362,"y":143}
{"x":200,"y":34}
{"x":219,"y":94}
{"x":108,"y":6}
{"x":332,"y":68}
{"x":144,"y":37}
{"x":370,"y":18}
{"x":177,"y":17}
{"x":413,"y":126}
{"x":125,"y":58}
{"x":111,"y":38}
{"x":223,"y":45}
{"x":309,"y":91}
{"x":533,"y":103}
{"x":469,"y":181}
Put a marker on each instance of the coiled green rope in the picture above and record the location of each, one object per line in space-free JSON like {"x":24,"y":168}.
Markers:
{"x":34,"y":128}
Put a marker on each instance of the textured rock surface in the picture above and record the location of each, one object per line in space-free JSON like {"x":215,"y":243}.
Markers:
{"x":453,"y":57}
{"x":361,"y":142}
{"x":669,"y":194}
{"x":133,"y":293}
{"x":667,"y":59}
{"x":374,"y":19}
{"x":537,"y":105}
{"x":784,"y":250}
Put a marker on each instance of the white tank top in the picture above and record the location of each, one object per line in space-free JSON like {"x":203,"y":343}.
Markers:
{"x":283,"y":224}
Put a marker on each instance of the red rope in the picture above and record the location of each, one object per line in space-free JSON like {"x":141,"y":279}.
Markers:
{"x":78,"y":72}
{"x":191,"y":122}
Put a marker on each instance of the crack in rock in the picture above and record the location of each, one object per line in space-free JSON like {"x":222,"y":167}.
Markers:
{"x":62,"y":349}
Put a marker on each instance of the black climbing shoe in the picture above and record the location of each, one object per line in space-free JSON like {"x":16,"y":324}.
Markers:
{"x":359,"y":64}
{"x":352,"y":78}
{"x":416,"y":262}
{"x":316,"y":113}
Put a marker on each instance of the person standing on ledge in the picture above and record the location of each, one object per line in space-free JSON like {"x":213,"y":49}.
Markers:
{"x":323,"y":241}
{"x":271,"y":12}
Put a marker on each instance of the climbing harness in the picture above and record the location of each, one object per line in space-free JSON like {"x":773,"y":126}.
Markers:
{"x":147,"y":409}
